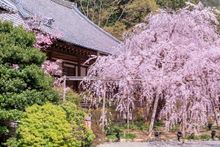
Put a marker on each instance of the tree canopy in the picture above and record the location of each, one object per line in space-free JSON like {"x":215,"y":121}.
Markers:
{"x":116,"y":16}
{"x":173,"y":57}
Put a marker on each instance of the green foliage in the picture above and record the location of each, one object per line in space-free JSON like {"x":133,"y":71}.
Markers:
{"x":205,"y":137}
{"x":45,"y":125}
{"x":51,"y":125}
{"x":192,"y":137}
{"x":22,"y":81}
{"x":116,"y":29}
{"x":137,"y":10}
{"x":136,"y":125}
{"x":173,"y":4}
{"x":71,"y":96}
{"x":12,"y":142}
{"x":128,"y":136}
{"x":113,"y":137}
{"x":116,"y":16}
{"x":175,"y":128}
{"x":76,"y":116}
{"x":3,"y":129}
{"x":212,"y":3}
{"x":159,"y":123}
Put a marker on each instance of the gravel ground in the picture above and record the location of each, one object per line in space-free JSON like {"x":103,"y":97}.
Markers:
{"x":163,"y":144}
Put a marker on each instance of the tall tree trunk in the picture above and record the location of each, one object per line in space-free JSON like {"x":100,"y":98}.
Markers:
{"x":215,"y":113}
{"x":184,"y":125}
{"x":154,"y":112}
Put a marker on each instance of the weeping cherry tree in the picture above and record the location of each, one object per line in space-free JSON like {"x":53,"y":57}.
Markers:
{"x":174,"y":56}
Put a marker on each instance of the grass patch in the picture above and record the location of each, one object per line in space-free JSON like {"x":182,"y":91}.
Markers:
{"x":136,"y":125}
{"x":204,"y":137}
{"x":113,"y":137}
{"x":128,"y":136}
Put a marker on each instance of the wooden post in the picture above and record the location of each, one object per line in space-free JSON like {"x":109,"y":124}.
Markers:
{"x":103,"y":109}
{"x":64,"y":88}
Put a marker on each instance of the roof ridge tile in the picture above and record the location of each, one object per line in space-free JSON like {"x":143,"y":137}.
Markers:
{"x":65,"y":3}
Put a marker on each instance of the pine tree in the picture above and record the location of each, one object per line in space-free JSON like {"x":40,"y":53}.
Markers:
{"x":22,"y":80}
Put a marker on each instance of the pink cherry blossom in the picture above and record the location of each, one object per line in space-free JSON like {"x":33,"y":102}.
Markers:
{"x":43,"y":42}
{"x":175,"y":56}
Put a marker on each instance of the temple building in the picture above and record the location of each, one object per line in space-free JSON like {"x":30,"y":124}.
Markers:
{"x":79,"y":37}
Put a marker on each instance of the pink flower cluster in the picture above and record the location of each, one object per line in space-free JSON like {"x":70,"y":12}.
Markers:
{"x":44,"y":41}
{"x":54,"y":69}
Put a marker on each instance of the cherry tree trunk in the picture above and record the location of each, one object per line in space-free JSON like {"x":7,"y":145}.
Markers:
{"x":184,"y":125}
{"x":154,"y":113}
{"x":215,"y":114}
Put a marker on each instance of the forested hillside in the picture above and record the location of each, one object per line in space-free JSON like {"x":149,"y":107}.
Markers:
{"x":118,"y":16}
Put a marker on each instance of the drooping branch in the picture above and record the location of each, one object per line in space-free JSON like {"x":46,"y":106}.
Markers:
{"x":171,"y":53}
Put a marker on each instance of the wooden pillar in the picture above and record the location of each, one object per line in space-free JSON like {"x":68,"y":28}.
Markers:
{"x":103,"y":109}
{"x":64,"y":88}
{"x":79,"y":68}
{"x":49,"y":55}
{"x":79,"y":74}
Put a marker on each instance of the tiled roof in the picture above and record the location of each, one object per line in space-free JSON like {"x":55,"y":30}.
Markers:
{"x":8,"y":6}
{"x":14,"y":17}
{"x":68,"y":20}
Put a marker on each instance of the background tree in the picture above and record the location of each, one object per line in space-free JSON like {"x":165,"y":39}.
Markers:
{"x":23,"y":82}
{"x":172,"y":4}
{"x":116,"y":16}
{"x":213,"y":3}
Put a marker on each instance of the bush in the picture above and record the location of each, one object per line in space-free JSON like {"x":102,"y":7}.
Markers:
{"x":76,"y":116}
{"x":51,"y":125}
{"x":71,"y":96}
{"x":45,"y":125}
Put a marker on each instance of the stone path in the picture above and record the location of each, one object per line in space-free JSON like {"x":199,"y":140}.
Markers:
{"x":163,"y":144}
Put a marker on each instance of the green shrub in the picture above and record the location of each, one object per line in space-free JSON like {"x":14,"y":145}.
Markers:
{"x":112,"y":129}
{"x":71,"y":96}
{"x":51,"y":125}
{"x":45,"y":125}
{"x":76,"y":116}
{"x":141,"y":125}
{"x":111,"y":137}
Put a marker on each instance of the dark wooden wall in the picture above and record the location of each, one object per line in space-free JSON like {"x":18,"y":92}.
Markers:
{"x":73,"y":57}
